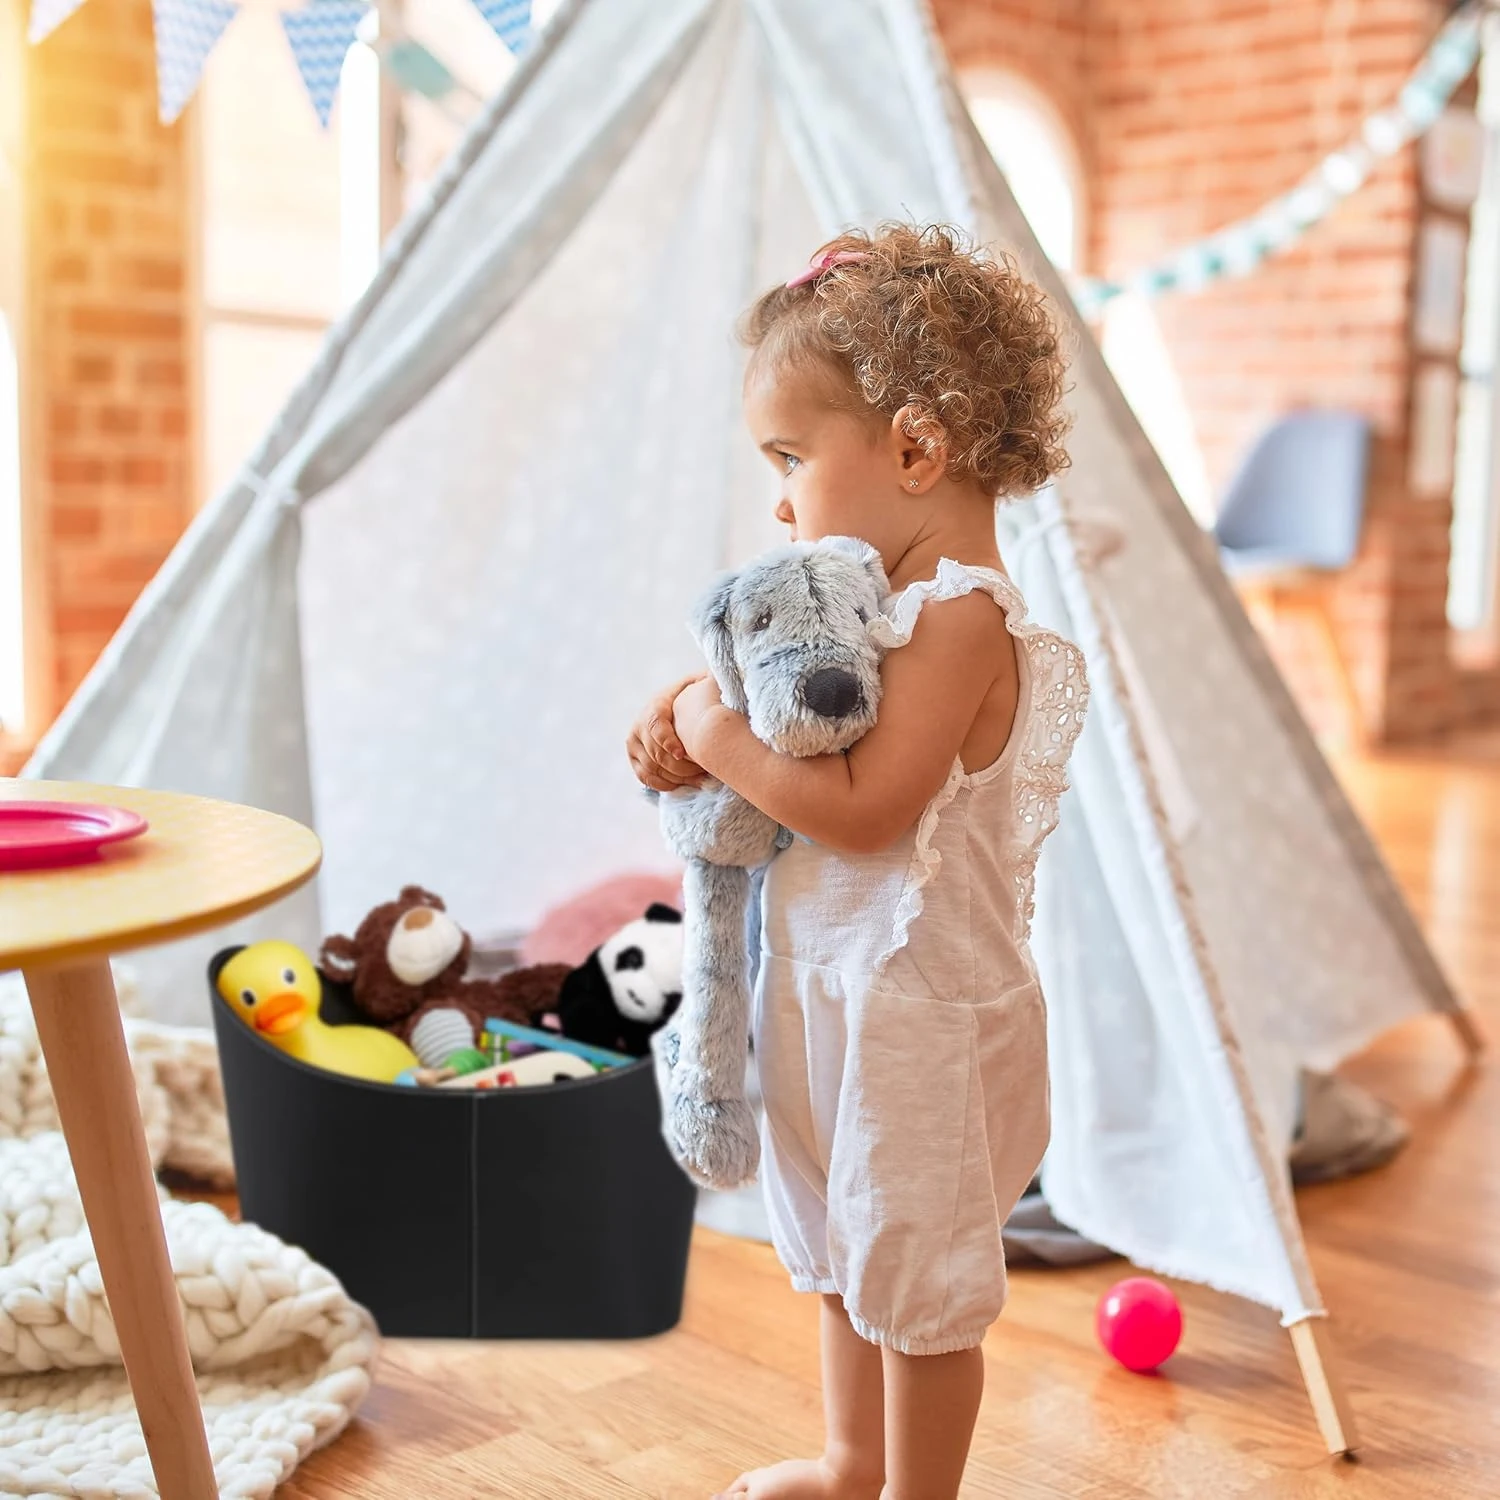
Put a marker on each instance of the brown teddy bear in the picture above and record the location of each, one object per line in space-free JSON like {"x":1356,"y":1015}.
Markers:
{"x":405,"y":967}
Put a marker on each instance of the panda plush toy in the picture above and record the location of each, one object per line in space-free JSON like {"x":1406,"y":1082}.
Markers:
{"x":628,"y":987}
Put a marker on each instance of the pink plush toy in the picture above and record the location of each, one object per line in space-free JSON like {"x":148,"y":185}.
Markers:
{"x":571,"y":931}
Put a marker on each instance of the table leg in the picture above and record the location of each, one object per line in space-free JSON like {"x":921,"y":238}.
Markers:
{"x":83,"y":1040}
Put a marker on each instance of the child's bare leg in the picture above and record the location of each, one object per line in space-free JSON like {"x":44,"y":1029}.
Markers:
{"x":853,"y":1402}
{"x":931,"y":1405}
{"x":853,"y":1463}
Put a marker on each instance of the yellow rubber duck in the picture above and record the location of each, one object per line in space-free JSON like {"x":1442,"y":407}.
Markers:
{"x":275,"y":988}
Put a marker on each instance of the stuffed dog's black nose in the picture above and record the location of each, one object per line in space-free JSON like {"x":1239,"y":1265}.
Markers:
{"x":831,"y":693}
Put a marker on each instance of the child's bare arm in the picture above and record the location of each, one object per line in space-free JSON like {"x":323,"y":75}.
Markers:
{"x":655,"y":752}
{"x":864,"y":801}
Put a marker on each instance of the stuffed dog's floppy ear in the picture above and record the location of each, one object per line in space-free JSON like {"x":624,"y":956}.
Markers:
{"x":862,"y":552}
{"x":710,"y":627}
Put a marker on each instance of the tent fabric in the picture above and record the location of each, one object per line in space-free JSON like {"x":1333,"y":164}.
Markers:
{"x":425,"y":612}
{"x":1148,"y":1070}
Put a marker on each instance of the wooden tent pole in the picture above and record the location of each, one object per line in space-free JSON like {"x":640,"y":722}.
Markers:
{"x":1330,"y":1402}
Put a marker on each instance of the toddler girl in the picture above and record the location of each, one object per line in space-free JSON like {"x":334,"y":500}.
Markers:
{"x":900,"y":386}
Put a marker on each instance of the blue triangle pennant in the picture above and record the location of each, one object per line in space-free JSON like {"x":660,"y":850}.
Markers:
{"x":47,"y":16}
{"x":320,"y":35}
{"x":186,"y":32}
{"x":510,"y":20}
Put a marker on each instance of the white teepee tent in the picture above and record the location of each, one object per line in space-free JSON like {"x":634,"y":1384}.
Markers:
{"x":425,"y":611}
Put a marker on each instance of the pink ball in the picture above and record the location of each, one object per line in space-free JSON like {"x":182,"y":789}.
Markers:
{"x":1139,"y":1322}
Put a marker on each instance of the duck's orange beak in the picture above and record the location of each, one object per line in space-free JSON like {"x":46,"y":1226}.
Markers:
{"x":278,"y":1014}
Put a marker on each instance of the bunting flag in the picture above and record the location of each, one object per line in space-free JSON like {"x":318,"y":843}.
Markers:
{"x":418,"y":71}
{"x":186,"y":32}
{"x":321,"y":35}
{"x":1240,"y":247}
{"x":510,"y":20}
{"x":47,"y":16}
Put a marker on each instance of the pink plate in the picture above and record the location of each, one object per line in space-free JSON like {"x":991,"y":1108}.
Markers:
{"x":37,"y":835}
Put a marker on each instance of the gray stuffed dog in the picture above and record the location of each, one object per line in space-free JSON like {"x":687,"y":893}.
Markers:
{"x":787,"y":641}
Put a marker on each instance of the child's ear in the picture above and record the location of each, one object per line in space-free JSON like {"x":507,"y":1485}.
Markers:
{"x":918,"y":443}
{"x":710,"y":627}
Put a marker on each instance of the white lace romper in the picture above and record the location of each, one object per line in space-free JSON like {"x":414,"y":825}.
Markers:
{"x":900,"y":1032}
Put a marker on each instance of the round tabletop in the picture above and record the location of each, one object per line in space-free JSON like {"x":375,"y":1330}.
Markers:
{"x":200,"y":864}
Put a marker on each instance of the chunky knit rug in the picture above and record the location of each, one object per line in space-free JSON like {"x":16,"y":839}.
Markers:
{"x":283,"y":1356}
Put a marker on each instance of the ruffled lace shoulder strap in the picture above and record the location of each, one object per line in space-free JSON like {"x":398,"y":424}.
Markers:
{"x":1055,"y":706}
{"x":894,"y":627}
{"x":1059,"y":699}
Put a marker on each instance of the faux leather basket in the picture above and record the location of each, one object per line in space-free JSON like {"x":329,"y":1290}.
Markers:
{"x":552,"y":1212}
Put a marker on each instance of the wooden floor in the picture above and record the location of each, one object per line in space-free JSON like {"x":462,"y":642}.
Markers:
{"x":1408,"y":1259}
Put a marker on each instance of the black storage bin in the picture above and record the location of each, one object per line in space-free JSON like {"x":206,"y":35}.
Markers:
{"x":551,"y":1212}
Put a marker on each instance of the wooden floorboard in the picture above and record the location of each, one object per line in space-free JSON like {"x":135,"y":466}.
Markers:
{"x":1408,"y":1259}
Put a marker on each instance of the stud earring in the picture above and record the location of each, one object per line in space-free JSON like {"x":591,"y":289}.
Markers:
{"x":914,"y":484}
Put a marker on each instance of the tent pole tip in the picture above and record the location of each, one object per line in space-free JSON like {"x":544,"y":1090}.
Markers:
{"x":1326,"y":1391}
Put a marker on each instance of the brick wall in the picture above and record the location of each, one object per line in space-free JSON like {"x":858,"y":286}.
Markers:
{"x":1044,"y":41}
{"x":1204,"y":109}
{"x":1192,"y":113}
{"x":107,"y":250}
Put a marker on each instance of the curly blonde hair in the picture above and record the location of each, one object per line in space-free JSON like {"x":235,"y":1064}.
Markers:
{"x":916,"y":317}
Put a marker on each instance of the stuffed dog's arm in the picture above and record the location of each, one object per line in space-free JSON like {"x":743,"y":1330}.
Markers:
{"x":863,"y":801}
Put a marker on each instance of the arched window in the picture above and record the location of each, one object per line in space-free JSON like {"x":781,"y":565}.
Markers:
{"x":1141,"y":363}
{"x":1032,"y":144}
{"x":1035,"y":150}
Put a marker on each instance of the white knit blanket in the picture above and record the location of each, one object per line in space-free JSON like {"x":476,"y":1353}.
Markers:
{"x":283,"y":1357}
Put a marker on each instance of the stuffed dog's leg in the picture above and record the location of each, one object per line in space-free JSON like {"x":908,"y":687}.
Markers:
{"x":710,"y":1124}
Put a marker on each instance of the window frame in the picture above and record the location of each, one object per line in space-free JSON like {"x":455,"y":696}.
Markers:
{"x":206,"y":315}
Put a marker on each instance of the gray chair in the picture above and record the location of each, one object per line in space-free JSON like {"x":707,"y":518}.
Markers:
{"x":1290,"y":518}
{"x":1298,"y":499}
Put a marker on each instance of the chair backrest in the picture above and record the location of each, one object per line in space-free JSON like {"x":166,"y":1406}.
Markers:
{"x":1300,"y":494}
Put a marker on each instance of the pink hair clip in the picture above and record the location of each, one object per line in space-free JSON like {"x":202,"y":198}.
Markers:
{"x":826,"y":262}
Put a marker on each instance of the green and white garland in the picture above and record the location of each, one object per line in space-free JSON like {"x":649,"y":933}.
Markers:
{"x":1239,"y":248}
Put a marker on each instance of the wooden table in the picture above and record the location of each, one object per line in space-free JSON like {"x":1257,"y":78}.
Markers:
{"x":201,"y":864}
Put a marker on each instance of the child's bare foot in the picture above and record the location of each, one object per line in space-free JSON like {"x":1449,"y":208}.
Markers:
{"x":804,"y":1479}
